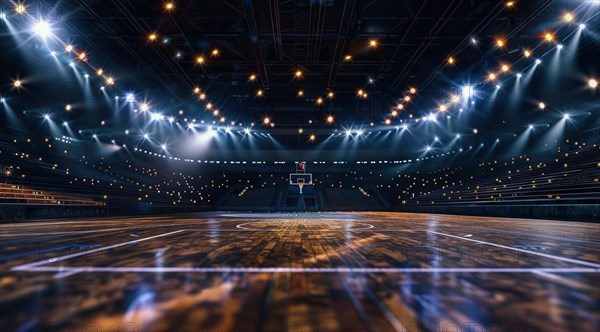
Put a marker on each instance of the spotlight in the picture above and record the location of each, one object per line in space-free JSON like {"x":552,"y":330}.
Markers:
{"x":312,"y":138}
{"x":259,"y":93}
{"x":527,"y":53}
{"x":66,"y":124}
{"x":400,"y":106}
{"x":457,"y":135}
{"x":455,"y":99}
{"x":71,"y":64}
{"x":582,"y":26}
{"x":100,"y":72}
{"x":492,"y":76}
{"x":436,"y":139}
{"x":171,"y":119}
{"x":388,"y":121}
{"x":209,"y":106}
{"x":200,"y":60}
{"x":549,"y":37}
{"x":95,"y":136}
{"x":405,"y":126}
{"x":47,"y":116}
{"x":130,"y":98}
{"x":252,"y":78}
{"x":86,"y":76}
{"x":592,"y":83}
{"x":530,"y":126}
{"x":498,"y":86}
{"x":300,"y":93}
{"x":505,"y":68}
{"x":394,"y":113}
{"x":169,"y":6}
{"x":2,"y":16}
{"x":190,"y":125}
{"x":407,"y":98}
{"x":110,"y":81}
{"x":360,"y":92}
{"x":542,"y":106}
{"x":428,"y":148}
{"x":566,"y":116}
{"x":443,"y":108}
{"x":300,"y":131}
{"x":68,"y":107}
{"x":538,"y":61}
{"x":266,"y":120}
{"x":330,"y":95}
{"x":152,"y":37}
{"x":559,"y":46}
{"x":17,"y":84}
{"x":215,"y":52}
{"x":510,"y":4}
{"x":451,"y":60}
{"x":82,"y":56}
{"x":330,"y":119}
{"x":247,"y":131}
{"x":42,"y":29}
{"x":475,"y":131}
{"x":202,"y":96}
{"x":164,"y":147}
{"x":359,"y":132}
{"x":413,"y":90}
{"x":348,"y":133}
{"x":348,"y":58}
{"x":146,"y":136}
{"x":519,"y":75}
{"x":568,"y":17}
{"x":298,"y":74}
{"x":196,"y":90}
{"x":500,"y":43}
{"x":2,"y":100}
{"x":69,"y":48}
{"x":20,"y":9}
{"x":144,"y":107}
{"x":373,"y":43}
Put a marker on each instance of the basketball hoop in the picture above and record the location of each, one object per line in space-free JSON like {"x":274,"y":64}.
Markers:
{"x":300,"y":185}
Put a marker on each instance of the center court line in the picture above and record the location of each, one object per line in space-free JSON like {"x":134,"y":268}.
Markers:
{"x":564,"y":259}
{"x":65,"y":269}
{"x":25,"y":267}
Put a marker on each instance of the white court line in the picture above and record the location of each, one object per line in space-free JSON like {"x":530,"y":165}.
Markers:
{"x":564,"y":259}
{"x":65,"y":269}
{"x":25,"y":267}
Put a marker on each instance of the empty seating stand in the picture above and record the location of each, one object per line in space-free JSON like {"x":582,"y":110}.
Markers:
{"x":18,"y":194}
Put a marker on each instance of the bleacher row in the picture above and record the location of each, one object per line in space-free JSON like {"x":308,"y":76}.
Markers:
{"x":17,"y":194}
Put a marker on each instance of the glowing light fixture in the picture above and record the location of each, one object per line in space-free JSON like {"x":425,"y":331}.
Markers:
{"x":68,"y":107}
{"x":266,"y":120}
{"x":260,"y":93}
{"x":330,"y":119}
{"x":312,"y":138}
{"x":100,"y":72}
{"x":455,"y":99}
{"x":413,"y":91}
{"x":361,"y":92}
{"x":443,"y":108}
{"x":492,"y":76}
{"x":549,"y":37}
{"x":42,"y":29}
{"x":592,"y":83}
{"x":394,"y":113}
{"x":17,"y":84}
{"x":20,"y":9}
{"x":298,"y":74}
{"x":319,"y":101}
{"x":527,"y":53}
{"x":407,"y":98}
{"x":252,"y":78}
{"x":215,"y":52}
{"x":69,"y":48}
{"x":330,"y":95}
{"x":200,"y":60}
{"x":144,"y":107}
{"x":110,"y":81}
{"x":169,"y":6}
{"x":152,"y":37}
{"x":373,"y":43}
{"x":348,"y":58}
{"x":568,"y":17}
{"x":505,"y":68}
{"x":500,"y":43}
{"x":400,"y":106}
{"x":542,"y":106}
{"x":510,"y":4}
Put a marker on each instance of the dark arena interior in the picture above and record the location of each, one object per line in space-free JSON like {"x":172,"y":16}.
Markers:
{"x":300,"y":165}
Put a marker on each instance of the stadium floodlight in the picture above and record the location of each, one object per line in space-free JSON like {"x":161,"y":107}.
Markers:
{"x":42,"y":29}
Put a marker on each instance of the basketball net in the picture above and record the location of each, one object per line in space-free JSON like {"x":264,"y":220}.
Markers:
{"x":300,"y":184}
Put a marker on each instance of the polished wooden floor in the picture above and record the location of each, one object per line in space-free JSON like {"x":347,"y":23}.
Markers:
{"x":300,"y":272}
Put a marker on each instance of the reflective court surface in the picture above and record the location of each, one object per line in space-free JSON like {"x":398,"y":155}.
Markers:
{"x":300,"y":272}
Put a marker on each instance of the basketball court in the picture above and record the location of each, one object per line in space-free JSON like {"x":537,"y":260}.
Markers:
{"x":301,"y":272}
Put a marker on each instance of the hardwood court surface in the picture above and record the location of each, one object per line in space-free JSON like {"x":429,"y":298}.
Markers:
{"x":300,"y":272}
